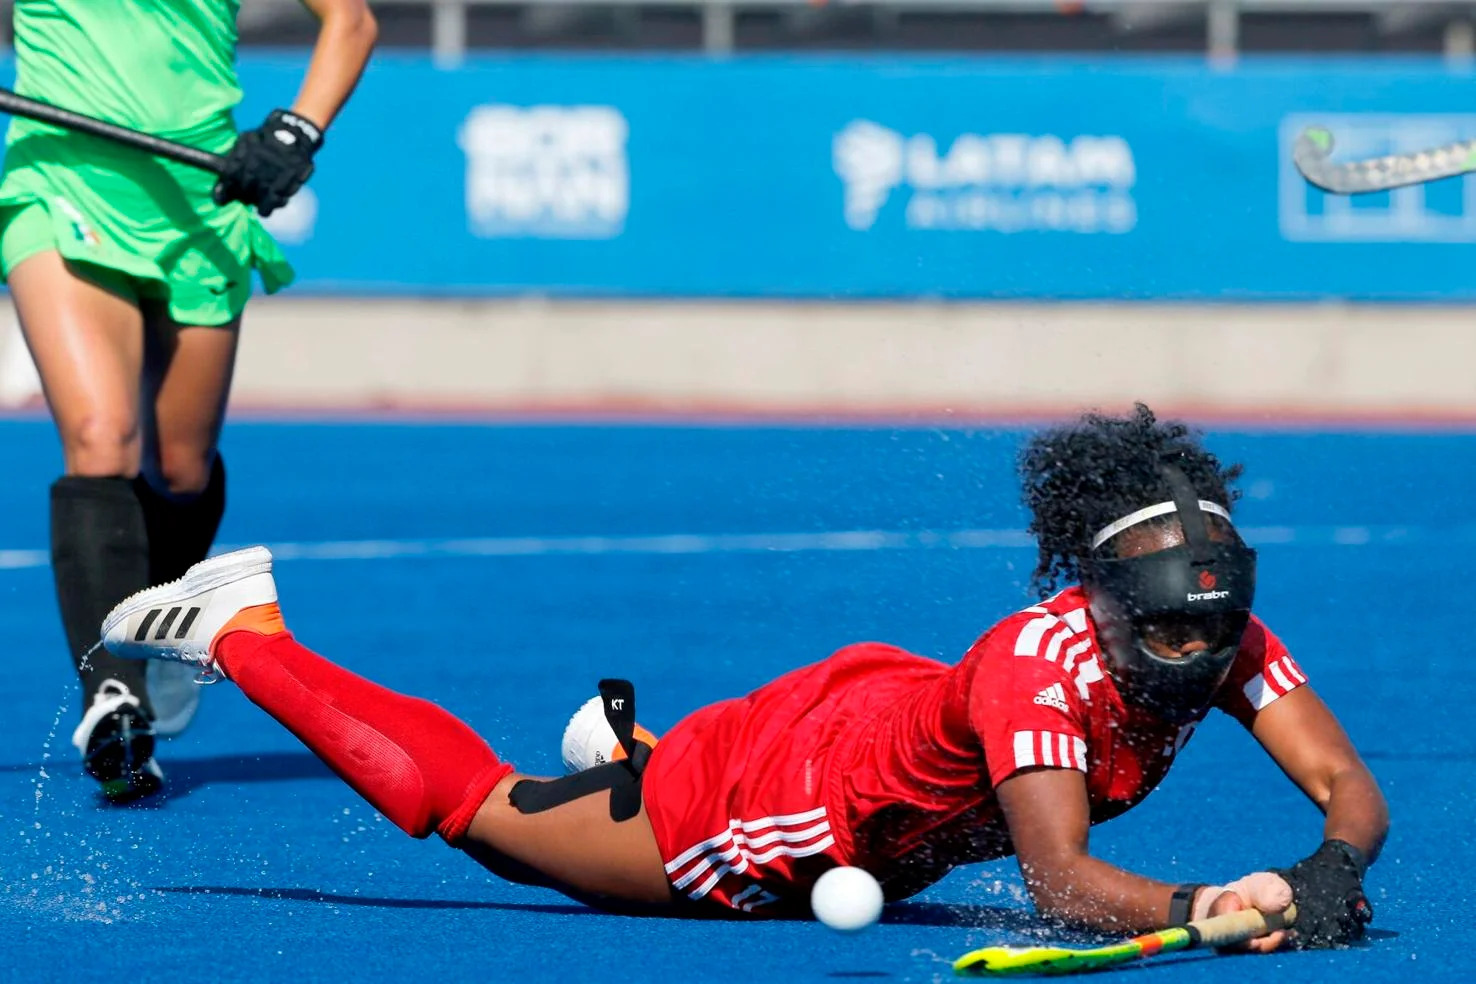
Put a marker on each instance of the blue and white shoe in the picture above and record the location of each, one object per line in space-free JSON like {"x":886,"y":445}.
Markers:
{"x":174,"y":695}
{"x":116,"y":741}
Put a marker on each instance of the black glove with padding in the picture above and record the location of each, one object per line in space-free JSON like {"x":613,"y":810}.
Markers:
{"x":1328,"y":889}
{"x":267,"y":165}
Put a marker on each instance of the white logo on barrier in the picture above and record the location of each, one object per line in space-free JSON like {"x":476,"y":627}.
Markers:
{"x":555,"y":172}
{"x":868,"y":158}
{"x":1441,"y":212}
{"x":1002,"y":182}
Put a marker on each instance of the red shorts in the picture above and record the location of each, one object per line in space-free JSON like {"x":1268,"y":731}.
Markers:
{"x":745,"y":795}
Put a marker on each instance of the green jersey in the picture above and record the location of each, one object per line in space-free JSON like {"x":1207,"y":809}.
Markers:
{"x":162,"y":66}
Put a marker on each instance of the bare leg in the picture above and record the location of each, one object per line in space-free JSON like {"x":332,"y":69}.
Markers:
{"x":188,"y":378}
{"x":429,"y":773}
{"x":576,"y":847}
{"x":182,"y":480}
{"x":87,"y":343}
{"x":86,"y":338}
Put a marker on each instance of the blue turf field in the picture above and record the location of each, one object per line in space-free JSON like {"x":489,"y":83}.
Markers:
{"x":501,"y":570}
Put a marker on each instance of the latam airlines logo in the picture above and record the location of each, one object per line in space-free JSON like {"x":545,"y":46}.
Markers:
{"x":998,"y":182}
{"x":549,"y":172}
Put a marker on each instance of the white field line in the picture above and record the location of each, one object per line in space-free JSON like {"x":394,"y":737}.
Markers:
{"x":839,"y":541}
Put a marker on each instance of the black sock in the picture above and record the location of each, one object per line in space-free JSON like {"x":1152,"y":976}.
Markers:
{"x":99,"y":556}
{"x":181,"y":530}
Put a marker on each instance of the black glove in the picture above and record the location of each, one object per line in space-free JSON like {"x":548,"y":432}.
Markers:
{"x":1328,"y":889}
{"x":267,"y":165}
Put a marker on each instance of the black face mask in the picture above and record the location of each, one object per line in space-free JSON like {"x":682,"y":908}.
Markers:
{"x":1199,"y":591}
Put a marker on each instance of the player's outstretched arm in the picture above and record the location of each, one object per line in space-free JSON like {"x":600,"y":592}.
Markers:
{"x":1049,"y":817}
{"x":1309,"y":744}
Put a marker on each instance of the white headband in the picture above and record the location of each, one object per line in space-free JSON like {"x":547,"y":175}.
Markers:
{"x":1149,"y":512}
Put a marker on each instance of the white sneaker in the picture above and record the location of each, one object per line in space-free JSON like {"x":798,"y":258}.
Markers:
{"x":173,"y":694}
{"x":181,"y":620}
{"x":116,"y":742}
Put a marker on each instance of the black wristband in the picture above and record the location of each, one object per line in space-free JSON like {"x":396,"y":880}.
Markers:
{"x":301,"y":124}
{"x":1354,"y":855}
{"x":1181,"y":904}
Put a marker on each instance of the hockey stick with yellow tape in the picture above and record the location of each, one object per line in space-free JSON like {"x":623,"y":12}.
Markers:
{"x":1226,"y":930}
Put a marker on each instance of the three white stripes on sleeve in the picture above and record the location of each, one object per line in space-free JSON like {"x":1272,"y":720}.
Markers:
{"x":1049,"y":748}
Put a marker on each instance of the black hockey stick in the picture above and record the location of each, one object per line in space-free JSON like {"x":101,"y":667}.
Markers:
{"x":34,"y":109}
{"x":1315,"y":145}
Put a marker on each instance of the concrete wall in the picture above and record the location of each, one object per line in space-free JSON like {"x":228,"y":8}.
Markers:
{"x":844,"y":360}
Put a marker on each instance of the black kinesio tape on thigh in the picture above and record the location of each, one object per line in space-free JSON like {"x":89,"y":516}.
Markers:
{"x":624,"y":784}
{"x":99,"y":556}
{"x":181,"y":530}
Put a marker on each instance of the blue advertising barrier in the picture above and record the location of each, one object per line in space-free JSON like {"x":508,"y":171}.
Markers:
{"x":874,"y":177}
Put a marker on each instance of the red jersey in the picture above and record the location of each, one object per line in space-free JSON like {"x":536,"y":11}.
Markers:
{"x":888,"y":761}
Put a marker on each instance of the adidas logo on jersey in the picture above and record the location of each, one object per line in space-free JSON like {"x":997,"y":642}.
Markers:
{"x":1052,"y":696}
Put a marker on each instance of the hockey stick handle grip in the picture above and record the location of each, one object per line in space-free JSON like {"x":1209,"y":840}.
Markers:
{"x":34,"y":109}
{"x":1238,"y":927}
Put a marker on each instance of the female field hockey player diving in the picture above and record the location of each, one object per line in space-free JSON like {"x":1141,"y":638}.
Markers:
{"x":129,"y":274}
{"x":1061,"y":716}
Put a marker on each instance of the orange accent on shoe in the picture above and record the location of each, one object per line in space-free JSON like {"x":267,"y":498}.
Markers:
{"x":261,"y":619}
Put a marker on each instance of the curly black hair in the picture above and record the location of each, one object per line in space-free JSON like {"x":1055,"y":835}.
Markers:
{"x":1079,"y":477}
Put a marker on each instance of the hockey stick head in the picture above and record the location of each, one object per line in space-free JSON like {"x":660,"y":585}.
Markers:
{"x":1310,"y":153}
{"x":1315,"y":142}
{"x":1012,"y":961}
{"x":1227,"y":929}
{"x":1318,"y":141}
{"x":1377,"y":174}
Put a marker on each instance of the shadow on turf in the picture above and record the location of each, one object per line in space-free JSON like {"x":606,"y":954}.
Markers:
{"x":858,"y":973}
{"x":990,"y":917}
{"x":985,"y":917}
{"x":184,"y":775}
{"x":309,"y":895}
{"x":904,"y":914}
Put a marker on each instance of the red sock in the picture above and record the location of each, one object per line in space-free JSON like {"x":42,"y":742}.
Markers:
{"x":417,"y":764}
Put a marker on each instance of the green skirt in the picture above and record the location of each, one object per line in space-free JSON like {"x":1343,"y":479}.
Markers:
{"x":136,"y":224}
